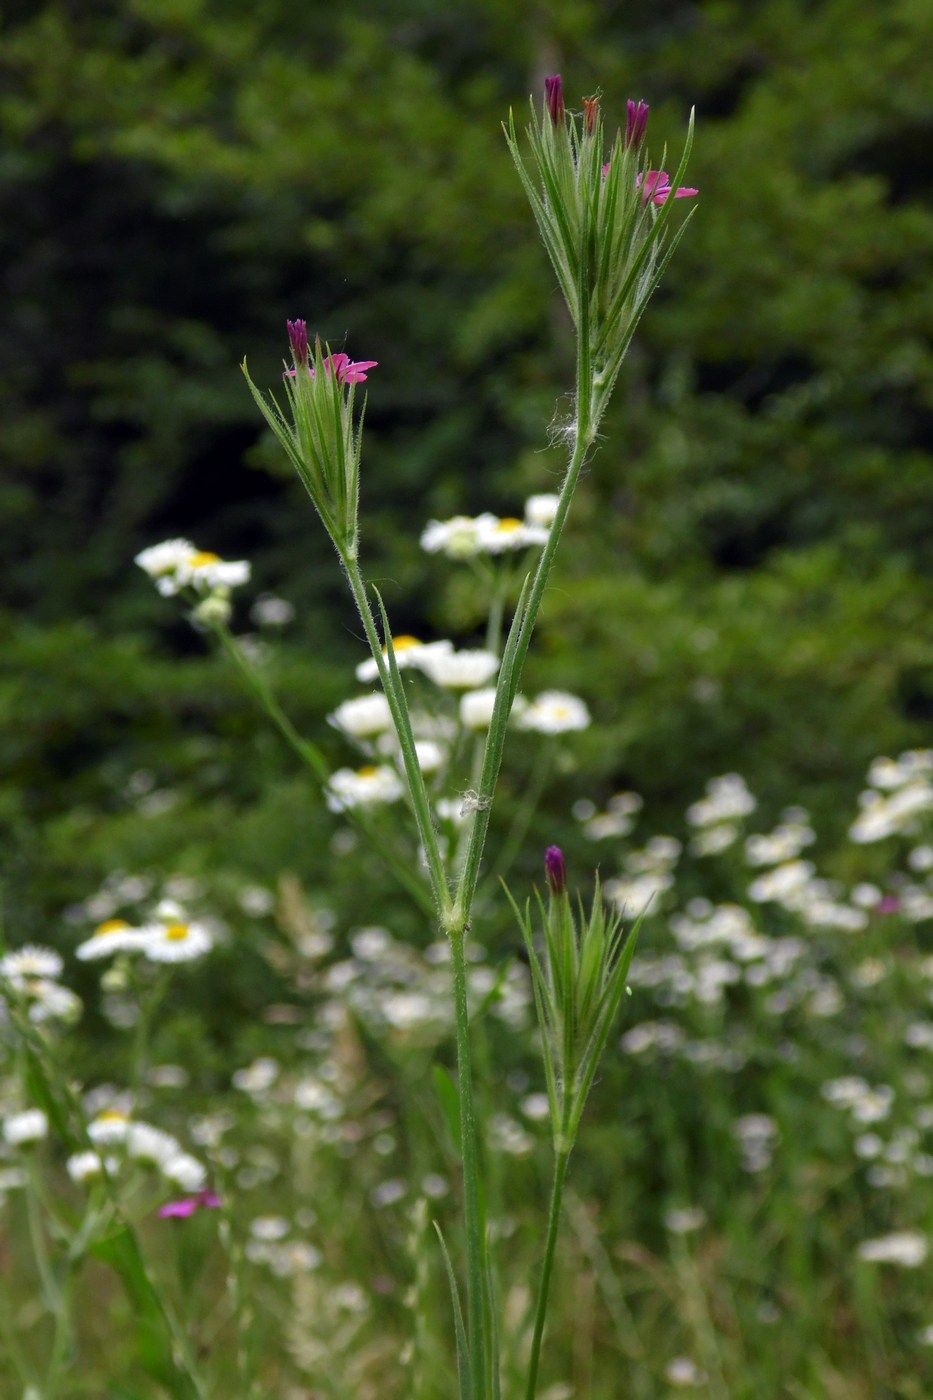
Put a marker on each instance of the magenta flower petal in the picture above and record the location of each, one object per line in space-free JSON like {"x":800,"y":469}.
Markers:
{"x":347,"y":371}
{"x":180,"y":1210}
{"x":656,"y":186}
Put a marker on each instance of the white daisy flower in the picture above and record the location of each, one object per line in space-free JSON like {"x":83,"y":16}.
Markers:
{"x":363,"y":787}
{"x":109,"y":1127}
{"x":431,"y":756}
{"x":502,"y":536}
{"x":185,"y":1171}
{"x":908,"y":1248}
{"x":180,"y":941}
{"x":459,"y":670}
{"x":205,"y":571}
{"x":110,"y":937}
{"x":476,"y":708}
{"x":176,"y":564}
{"x":29,"y":1126}
{"x":146,"y":1143}
{"x":50,"y":1001}
{"x":28,"y":962}
{"x":363,"y":717}
{"x":541,"y":510}
{"x":409,"y":651}
{"x":554,"y":712}
{"x":457,"y":538}
{"x":84,"y":1166}
{"x":162,"y":562}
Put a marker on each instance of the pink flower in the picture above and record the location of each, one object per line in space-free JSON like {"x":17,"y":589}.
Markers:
{"x":188,"y":1205}
{"x":348,"y":371}
{"x":656,"y":186}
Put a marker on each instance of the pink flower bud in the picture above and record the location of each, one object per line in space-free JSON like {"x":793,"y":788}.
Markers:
{"x":298,"y":340}
{"x":590,"y":114}
{"x":636,"y":119}
{"x":554,"y":94}
{"x":555,"y":868}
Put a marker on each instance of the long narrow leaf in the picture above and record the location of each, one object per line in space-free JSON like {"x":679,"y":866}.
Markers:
{"x":463,"y":1357}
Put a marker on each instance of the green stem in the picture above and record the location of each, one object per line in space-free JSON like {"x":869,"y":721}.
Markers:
{"x":557,"y":1191}
{"x":469,"y":1153}
{"x":524,"y":622}
{"x":401,"y":719}
{"x":311,"y":755}
{"x":54,"y":1290}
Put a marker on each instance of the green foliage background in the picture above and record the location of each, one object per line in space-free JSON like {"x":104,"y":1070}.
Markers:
{"x":748,"y":576}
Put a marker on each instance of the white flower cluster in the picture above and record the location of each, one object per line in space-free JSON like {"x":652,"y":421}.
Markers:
{"x":367,"y":719}
{"x":31,"y":973}
{"x":784,"y":843}
{"x":648,"y":873}
{"x":177,"y":564}
{"x":757,"y":1135}
{"x":169,"y":937}
{"x":467,"y":536}
{"x":369,"y":786}
{"x":121,"y":1138}
{"x":716,"y":815}
{"x":906,"y":1248}
{"x":899,"y":791}
{"x":795,"y":886}
{"x":617,"y":820}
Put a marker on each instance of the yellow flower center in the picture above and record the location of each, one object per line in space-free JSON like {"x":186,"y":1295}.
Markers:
{"x":112,"y":1115}
{"x":405,"y":643}
{"x":508,"y":524}
{"x":176,"y":933}
{"x":110,"y":926}
{"x":368,"y":772}
{"x":202,"y":558}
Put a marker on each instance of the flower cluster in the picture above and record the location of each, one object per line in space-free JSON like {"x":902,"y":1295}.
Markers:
{"x":467,"y":536}
{"x":30,"y":976}
{"x":119,"y":1140}
{"x":457,"y":702}
{"x":179,"y":567}
{"x":318,"y":431}
{"x":900,"y":791}
{"x":170,"y":936}
{"x":601,"y":221}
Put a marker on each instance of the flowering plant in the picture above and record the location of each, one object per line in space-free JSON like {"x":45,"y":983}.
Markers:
{"x":438,"y":710}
